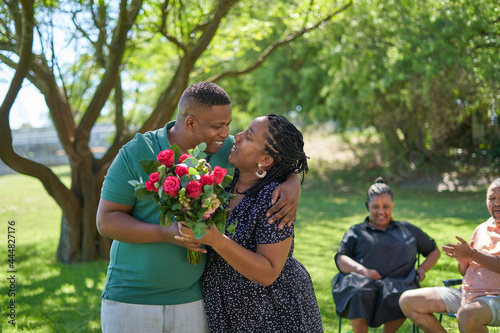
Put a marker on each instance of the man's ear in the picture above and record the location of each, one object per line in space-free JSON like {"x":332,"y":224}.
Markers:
{"x":190,"y":123}
{"x":367,"y":208}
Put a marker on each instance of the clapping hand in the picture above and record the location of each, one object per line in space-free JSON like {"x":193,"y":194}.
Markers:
{"x":460,"y":251}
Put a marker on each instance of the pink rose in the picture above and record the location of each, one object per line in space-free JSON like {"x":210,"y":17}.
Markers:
{"x":150,"y":186}
{"x":207,"y":179}
{"x":183,"y":157}
{"x":171,"y":185}
{"x":193,"y":189}
{"x":166,"y":157}
{"x":219,"y":174}
{"x":209,"y":213}
{"x":182,"y":170}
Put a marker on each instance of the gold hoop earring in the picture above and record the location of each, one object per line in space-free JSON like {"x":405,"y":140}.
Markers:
{"x":261,"y":173}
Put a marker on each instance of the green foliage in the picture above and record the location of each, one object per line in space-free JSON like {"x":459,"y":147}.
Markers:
{"x":425,"y":75}
{"x":244,"y":33}
{"x":149,"y":166}
{"x":409,"y":70}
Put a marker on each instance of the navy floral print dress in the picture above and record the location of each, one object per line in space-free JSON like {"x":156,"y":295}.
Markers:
{"x":235,"y":304}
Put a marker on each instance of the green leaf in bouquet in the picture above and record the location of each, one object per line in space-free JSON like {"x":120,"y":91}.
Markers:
{"x":177,"y":152}
{"x":226,"y":195}
{"x":136,"y":184}
{"x":199,"y":230}
{"x":208,"y":190}
{"x":191,"y":162}
{"x":232,"y":227}
{"x":166,"y":216}
{"x":201,"y":212}
{"x":190,"y":215}
{"x":162,"y":175}
{"x":202,"y":146}
{"x":185,"y":181}
{"x":198,"y":151}
{"x":143,"y":194}
{"x":162,"y":218}
{"x":219,"y":219}
{"x":230,"y":172}
{"x":177,"y":206}
{"x":149,"y":166}
{"x":226,"y":181}
{"x":193,"y":172}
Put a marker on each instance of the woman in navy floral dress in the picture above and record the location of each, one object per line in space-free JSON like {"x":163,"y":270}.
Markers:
{"x":252,"y":283}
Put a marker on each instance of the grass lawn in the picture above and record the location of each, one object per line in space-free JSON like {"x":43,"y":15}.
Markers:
{"x":52,"y":297}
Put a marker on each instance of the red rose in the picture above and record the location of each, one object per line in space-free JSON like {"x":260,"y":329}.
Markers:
{"x":150,"y":186}
{"x":183,"y":157}
{"x":219,"y":174}
{"x":171,"y":185}
{"x":182,"y":170}
{"x":207,"y":179}
{"x":166,"y":157}
{"x":154,"y":177}
{"x":193,"y":189}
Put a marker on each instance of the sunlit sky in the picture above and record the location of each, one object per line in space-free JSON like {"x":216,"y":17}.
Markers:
{"x":29,"y":107}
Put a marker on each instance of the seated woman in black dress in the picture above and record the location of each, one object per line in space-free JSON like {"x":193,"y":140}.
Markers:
{"x":376,"y":262}
{"x":252,"y":283}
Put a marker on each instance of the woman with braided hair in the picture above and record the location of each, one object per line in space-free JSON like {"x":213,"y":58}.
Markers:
{"x":252,"y":283}
{"x":376,"y":261}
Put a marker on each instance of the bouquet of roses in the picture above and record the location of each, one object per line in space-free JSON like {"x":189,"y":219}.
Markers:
{"x":187,"y":189}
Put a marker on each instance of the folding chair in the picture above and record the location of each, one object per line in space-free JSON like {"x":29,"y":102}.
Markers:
{"x":449,"y":283}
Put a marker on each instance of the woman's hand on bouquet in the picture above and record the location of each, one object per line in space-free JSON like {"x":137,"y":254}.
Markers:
{"x":186,"y":235}
{"x":187,"y":238}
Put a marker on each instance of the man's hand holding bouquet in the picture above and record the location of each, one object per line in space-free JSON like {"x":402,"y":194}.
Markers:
{"x":187,"y":190}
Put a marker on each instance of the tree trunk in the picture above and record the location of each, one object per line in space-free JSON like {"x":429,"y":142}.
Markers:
{"x":69,"y":242}
{"x":79,"y":239}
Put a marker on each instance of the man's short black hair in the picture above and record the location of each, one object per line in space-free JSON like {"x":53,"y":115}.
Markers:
{"x":205,"y":94}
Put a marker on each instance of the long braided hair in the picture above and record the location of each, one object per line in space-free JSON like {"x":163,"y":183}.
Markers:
{"x":285,"y":144}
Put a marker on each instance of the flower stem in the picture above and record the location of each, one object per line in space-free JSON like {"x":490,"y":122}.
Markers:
{"x":194,"y":257}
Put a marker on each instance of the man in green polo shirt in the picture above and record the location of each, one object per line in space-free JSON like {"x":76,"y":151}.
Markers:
{"x":150,"y":287}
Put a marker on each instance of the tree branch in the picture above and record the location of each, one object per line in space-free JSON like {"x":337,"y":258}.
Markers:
{"x":26,"y":45}
{"x":20,"y":164}
{"x":17,"y":17}
{"x":276,"y":44}
{"x":117,"y":48}
{"x":208,"y":34}
{"x":177,"y":42}
{"x":170,"y":97}
{"x":5,"y":46}
{"x":163,"y":27}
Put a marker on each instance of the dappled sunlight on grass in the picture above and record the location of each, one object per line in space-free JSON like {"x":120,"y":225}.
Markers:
{"x":50,"y":297}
